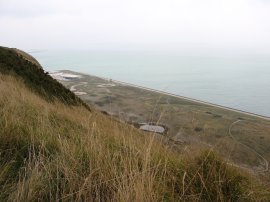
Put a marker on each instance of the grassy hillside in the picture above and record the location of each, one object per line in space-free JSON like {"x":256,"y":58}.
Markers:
{"x":18,"y":63}
{"x":51,"y":151}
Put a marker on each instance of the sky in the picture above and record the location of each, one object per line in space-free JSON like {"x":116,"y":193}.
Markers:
{"x":208,"y":25}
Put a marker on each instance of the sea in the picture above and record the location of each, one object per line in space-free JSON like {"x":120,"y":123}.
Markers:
{"x":241,"y":82}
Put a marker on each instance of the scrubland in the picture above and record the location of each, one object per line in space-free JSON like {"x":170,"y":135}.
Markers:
{"x":55,"y":152}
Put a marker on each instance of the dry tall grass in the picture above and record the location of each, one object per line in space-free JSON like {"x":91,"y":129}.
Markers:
{"x":53,"y":152}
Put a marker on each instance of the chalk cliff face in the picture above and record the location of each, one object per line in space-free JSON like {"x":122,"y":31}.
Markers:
{"x":52,"y":147}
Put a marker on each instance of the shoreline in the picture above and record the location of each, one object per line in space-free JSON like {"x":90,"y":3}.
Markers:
{"x":186,"y":98}
{"x":174,"y":95}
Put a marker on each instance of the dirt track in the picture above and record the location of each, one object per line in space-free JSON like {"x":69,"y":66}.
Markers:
{"x":265,"y":162}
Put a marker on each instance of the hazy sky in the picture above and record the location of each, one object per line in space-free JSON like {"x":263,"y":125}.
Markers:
{"x":231,"y":25}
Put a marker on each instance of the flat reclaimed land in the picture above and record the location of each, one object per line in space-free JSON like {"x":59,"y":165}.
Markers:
{"x":241,"y":138}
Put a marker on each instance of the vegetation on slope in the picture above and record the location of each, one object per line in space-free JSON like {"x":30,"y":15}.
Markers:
{"x":27,"y":56}
{"x":14,"y":62}
{"x":51,"y":151}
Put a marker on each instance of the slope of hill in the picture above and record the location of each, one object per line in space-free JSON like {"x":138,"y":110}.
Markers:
{"x":53,"y":151}
{"x":241,"y":138}
{"x":20,"y":64}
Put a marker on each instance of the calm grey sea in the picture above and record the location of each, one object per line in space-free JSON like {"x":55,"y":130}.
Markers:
{"x":241,"y":82}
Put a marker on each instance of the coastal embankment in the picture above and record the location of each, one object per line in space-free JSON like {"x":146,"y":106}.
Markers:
{"x":187,"y":98}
